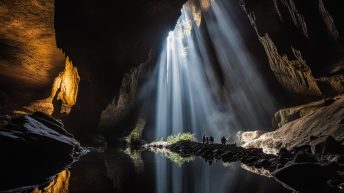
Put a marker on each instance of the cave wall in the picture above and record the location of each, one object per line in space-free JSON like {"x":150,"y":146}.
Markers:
{"x":303,"y":43}
{"x":105,"y":40}
{"x":29,"y":57}
{"x":297,"y":45}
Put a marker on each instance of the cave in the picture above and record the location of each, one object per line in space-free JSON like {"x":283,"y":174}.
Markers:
{"x":171,"y":96}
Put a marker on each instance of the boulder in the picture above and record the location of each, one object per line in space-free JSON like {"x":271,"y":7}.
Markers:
{"x":33,"y":148}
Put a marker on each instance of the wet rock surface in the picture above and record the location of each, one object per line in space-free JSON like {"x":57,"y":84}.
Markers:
{"x":34,"y":148}
{"x":298,"y":169}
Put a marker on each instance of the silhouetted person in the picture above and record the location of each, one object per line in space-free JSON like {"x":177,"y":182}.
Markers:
{"x":211,"y":139}
{"x":203,"y":139}
{"x":206,"y":140}
{"x":223,"y":140}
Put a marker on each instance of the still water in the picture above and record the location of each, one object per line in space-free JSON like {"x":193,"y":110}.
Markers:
{"x":146,"y":172}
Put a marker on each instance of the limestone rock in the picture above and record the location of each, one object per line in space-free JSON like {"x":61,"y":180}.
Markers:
{"x":323,"y":121}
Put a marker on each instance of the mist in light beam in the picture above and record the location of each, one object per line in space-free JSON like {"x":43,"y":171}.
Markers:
{"x":191,"y":97}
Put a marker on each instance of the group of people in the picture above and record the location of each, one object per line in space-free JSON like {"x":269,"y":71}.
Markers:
{"x":210,"y":140}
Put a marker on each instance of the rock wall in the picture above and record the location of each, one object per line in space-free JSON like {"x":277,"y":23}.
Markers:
{"x":64,"y":89}
{"x":321,"y":118}
{"x":105,"y":40}
{"x":29,"y":57}
{"x":294,"y":75}
{"x":297,"y":24}
{"x":126,"y":97}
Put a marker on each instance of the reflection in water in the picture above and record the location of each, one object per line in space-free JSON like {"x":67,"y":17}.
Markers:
{"x":135,"y":156}
{"x":172,"y":156}
{"x":59,"y":185}
{"x":202,"y":176}
{"x":113,"y":171}
{"x":259,"y":171}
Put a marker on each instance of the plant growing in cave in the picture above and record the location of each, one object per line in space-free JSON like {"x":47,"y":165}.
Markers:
{"x":136,"y":133}
{"x":180,"y":137}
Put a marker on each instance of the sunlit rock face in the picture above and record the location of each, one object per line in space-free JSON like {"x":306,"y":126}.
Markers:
{"x":301,"y":42}
{"x":317,"y":119}
{"x":64,"y":89}
{"x":29,"y":59}
{"x":66,"y":86}
{"x":286,"y":115}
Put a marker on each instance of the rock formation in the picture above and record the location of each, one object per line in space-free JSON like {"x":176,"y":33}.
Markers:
{"x":59,"y":184}
{"x":64,"y":89}
{"x":328,"y":20}
{"x":33,"y":143}
{"x":127,"y":32}
{"x":297,"y":17}
{"x":29,"y":58}
{"x":314,"y":120}
{"x":300,"y":169}
{"x":293,"y":70}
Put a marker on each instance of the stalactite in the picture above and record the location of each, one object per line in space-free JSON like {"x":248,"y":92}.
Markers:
{"x":298,"y":19}
{"x":277,"y":10}
{"x":329,"y":22}
{"x":294,"y":75}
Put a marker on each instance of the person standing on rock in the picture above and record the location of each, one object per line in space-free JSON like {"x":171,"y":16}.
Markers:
{"x":206,"y":140}
{"x":223,"y":140}
{"x":211,"y":139}
{"x":203,"y":138}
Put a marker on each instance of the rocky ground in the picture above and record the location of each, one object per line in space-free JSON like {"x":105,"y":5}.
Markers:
{"x":297,"y":124}
{"x":34,"y":148}
{"x":318,"y":167}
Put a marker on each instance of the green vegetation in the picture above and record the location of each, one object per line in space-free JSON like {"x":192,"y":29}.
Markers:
{"x":180,"y":137}
{"x":136,"y":134}
{"x":174,"y":157}
{"x":227,"y":164}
